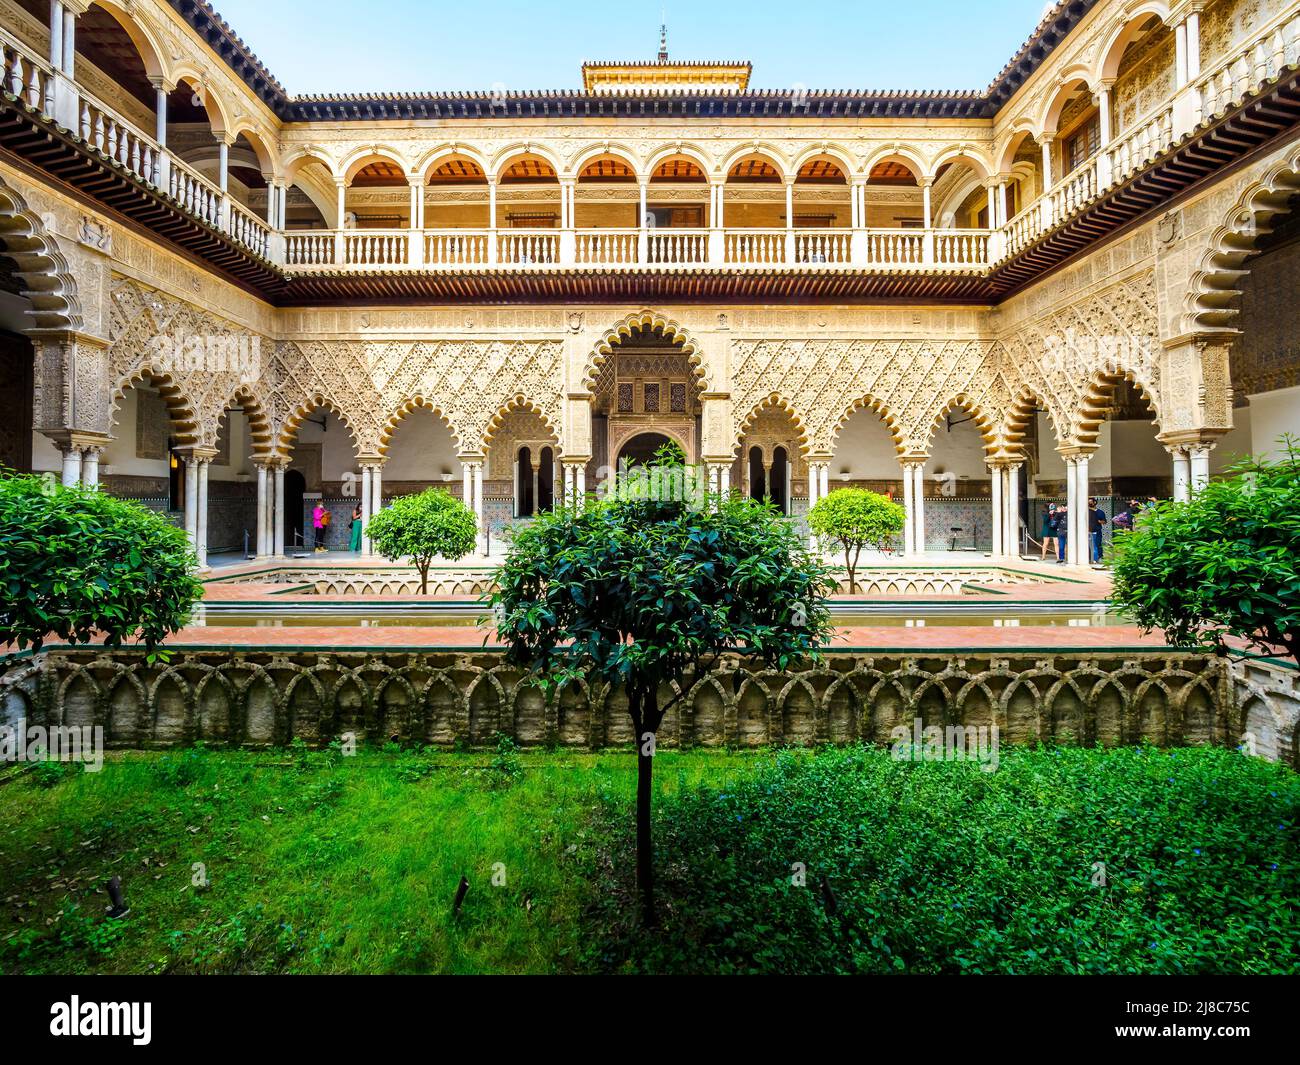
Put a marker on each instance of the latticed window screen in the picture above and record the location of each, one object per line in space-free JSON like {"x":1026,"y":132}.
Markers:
{"x":677,"y":398}
{"x":651,"y":398}
{"x":625,"y":397}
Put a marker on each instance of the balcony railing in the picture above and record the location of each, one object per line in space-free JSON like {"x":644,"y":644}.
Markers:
{"x":31,"y":81}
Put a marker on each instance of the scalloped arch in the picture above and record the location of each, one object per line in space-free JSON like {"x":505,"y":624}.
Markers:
{"x":50,"y":287}
{"x":775,"y":401}
{"x":184,"y":418}
{"x":287,"y":438}
{"x":882,"y":411}
{"x":409,"y":406}
{"x":518,"y":402}
{"x":639,"y":322}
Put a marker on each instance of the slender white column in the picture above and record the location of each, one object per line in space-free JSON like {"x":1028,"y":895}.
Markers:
{"x":366,"y":507}
{"x":56,"y":34}
{"x":1182,"y":474}
{"x":825,"y":479}
{"x":263,"y":525}
{"x":160,"y":113}
{"x":1200,"y":467}
{"x":71,"y":466}
{"x":69,"y":43}
{"x":998,"y":512}
{"x":1047,"y":162}
{"x":1193,"y":45}
{"x":377,"y":490}
{"x":812,"y":485}
{"x":277,"y":522}
{"x":537,"y":499}
{"x":192,"y":501}
{"x":925,"y":204}
{"x":341,"y":200}
{"x":478,"y":504}
{"x":90,"y":467}
{"x":1071,"y":501}
{"x":579,"y":484}
{"x":1082,"y":517}
{"x":466,"y":486}
{"x":643,"y":224}
{"x":918,"y":499}
{"x":909,"y":512}
{"x":789,"y":221}
{"x":202,"y":517}
{"x":726,"y":480}
{"x":1013,"y":511}
{"x":1180,"y":55}
{"x":223,"y":164}
{"x":1103,"y":113}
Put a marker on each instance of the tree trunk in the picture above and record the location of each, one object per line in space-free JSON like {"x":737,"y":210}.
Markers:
{"x":645,"y":863}
{"x":849,"y":565}
{"x":424,"y":578}
{"x":643,"y":706}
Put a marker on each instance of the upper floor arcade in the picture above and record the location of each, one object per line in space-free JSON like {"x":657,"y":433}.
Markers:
{"x":1112,"y":107}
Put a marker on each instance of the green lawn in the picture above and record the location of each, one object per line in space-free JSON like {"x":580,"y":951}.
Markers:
{"x":319,"y":863}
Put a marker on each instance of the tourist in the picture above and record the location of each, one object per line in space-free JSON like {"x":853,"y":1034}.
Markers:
{"x":1123,"y":521}
{"x":1062,"y":519}
{"x":355,"y":544}
{"x":1048,"y":532}
{"x":320,"y":520}
{"x":1096,"y":522}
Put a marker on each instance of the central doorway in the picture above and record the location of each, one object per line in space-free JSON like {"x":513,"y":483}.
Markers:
{"x":640,"y":449}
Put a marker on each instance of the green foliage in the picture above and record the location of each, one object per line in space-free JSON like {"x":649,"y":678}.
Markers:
{"x":77,"y":564}
{"x":506,"y":764}
{"x":856,"y":518}
{"x":1223,"y":565}
{"x":638,"y":591}
{"x":428,"y":525}
{"x":938,"y":867}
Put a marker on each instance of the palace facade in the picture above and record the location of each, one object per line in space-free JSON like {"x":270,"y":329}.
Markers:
{"x":230,"y":302}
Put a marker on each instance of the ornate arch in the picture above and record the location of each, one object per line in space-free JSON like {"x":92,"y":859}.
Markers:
{"x":972,"y":156}
{"x":837,"y":153}
{"x":684,"y":149}
{"x":1050,"y":116}
{"x":407,"y":406}
{"x":287,"y":438}
{"x":613,"y":149}
{"x":775,"y":402}
{"x":436,"y":156}
{"x":877,"y":407}
{"x":506,"y":155}
{"x":260,"y":430}
{"x":179,"y":408}
{"x":355,"y":160}
{"x":1019,"y":411}
{"x":517,"y":403}
{"x":1125,"y":31}
{"x":641,"y":322}
{"x":291,"y":164}
{"x":1088,"y":416}
{"x":46,"y":274}
{"x":762,"y":149}
{"x":1210,"y":304}
{"x":142,"y":36}
{"x":896,"y":153}
{"x":984,"y":421}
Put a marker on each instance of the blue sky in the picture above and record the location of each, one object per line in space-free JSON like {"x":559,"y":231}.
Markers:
{"x":410,"y":46}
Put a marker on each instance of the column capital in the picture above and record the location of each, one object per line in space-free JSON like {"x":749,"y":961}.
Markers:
{"x":1188,"y":439}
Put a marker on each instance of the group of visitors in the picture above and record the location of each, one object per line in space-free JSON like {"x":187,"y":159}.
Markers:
{"x":1055,"y":531}
{"x":320,"y":526}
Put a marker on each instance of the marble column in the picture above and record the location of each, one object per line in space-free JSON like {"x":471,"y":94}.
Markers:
{"x":909,"y":512}
{"x":71,"y":465}
{"x":202,"y":515}
{"x":277,"y":522}
{"x":263,"y":510}
{"x":90,"y":467}
{"x":1182,"y":474}
{"x":1199,"y":467}
{"x":367,"y":507}
{"x":998,"y":513}
{"x":918,"y":500}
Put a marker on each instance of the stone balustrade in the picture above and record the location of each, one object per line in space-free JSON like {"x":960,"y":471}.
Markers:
{"x":260,"y":697}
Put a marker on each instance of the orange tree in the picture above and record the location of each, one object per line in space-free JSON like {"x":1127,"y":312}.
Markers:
{"x":646,"y":590}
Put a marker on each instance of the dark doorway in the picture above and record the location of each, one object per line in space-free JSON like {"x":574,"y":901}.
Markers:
{"x":546,"y":481}
{"x":640,"y":450}
{"x":295,"y":484}
{"x":16,"y":398}
{"x":777,"y":488}
{"x":757,"y":478}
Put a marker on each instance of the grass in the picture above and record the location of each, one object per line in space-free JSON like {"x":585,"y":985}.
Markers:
{"x":319,"y":863}
{"x":316,"y":863}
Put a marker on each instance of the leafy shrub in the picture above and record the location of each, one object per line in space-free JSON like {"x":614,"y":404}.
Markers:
{"x":76,"y":564}
{"x":180,"y":769}
{"x":1224,"y":564}
{"x":506,"y":765}
{"x":942,"y":868}
{"x":855,"y":518}
{"x":421,"y":527}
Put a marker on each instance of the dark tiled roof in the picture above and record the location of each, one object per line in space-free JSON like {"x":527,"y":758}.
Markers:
{"x":1047,"y":36}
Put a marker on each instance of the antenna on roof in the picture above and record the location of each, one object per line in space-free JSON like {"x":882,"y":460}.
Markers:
{"x":663,"y":37}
